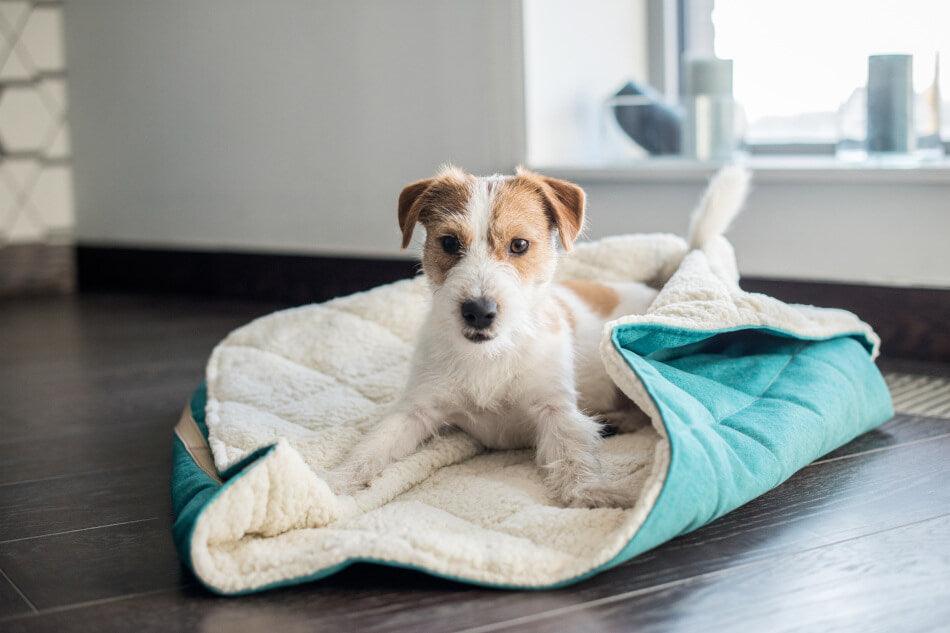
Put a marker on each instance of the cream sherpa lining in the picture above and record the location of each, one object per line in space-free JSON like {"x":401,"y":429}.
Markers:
{"x":314,"y":379}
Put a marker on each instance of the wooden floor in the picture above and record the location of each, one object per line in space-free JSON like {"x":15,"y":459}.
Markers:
{"x":90,"y":389}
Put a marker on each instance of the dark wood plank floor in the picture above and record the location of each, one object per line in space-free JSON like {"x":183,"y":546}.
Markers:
{"x":91,"y":386}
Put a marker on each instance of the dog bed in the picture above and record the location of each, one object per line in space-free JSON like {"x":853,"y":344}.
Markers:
{"x":740,"y":391}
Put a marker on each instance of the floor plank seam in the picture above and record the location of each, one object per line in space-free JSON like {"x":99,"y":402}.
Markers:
{"x":763,"y":519}
{"x":620,"y":597}
{"x":879,"y":449}
{"x":19,"y":592}
{"x":93,"y":603}
{"x":83,"y":529}
{"x":101,"y":471}
{"x":73,"y":434}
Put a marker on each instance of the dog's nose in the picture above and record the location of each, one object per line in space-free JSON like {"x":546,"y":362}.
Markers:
{"x":479,"y":313}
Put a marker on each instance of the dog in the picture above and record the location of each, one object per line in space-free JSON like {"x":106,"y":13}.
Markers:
{"x":506,"y":354}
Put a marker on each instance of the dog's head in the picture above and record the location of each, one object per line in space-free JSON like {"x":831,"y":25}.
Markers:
{"x":490,"y":247}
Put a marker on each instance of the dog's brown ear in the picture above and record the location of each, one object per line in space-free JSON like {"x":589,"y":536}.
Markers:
{"x":410,"y":207}
{"x":565,"y":202}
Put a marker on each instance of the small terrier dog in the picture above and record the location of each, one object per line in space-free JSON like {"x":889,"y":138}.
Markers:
{"x":506,"y":354}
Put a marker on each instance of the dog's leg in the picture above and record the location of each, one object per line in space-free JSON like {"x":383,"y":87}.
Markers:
{"x":567,"y":451}
{"x":625,"y":416}
{"x":397,"y":435}
{"x":623,"y":420}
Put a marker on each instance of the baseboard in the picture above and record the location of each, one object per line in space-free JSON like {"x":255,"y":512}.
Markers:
{"x":294,"y":279}
{"x":913,"y":322}
{"x":36,"y":268}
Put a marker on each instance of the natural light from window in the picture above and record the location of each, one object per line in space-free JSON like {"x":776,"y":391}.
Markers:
{"x":796,"y":67}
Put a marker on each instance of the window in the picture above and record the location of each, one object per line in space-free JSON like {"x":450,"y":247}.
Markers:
{"x":800,"y":67}
{"x":605,"y":80}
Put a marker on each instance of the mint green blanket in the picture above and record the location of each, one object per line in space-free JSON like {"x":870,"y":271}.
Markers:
{"x":744,"y":409}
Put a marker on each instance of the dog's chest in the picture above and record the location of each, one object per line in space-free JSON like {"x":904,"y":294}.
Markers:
{"x":491,"y":407}
{"x":485,"y":385}
{"x":504,"y":428}
{"x":494,"y":382}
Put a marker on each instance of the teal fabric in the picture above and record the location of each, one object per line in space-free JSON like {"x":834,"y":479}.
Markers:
{"x":743,"y":409}
{"x":191,"y":487}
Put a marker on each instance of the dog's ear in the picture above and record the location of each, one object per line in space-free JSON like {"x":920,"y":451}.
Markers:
{"x":565,"y":203}
{"x":410,"y":206}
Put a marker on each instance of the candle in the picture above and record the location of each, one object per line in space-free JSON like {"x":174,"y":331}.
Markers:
{"x":710,"y":110}
{"x":891,"y":104}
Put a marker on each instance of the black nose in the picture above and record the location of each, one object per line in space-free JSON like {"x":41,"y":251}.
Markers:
{"x":479,"y":313}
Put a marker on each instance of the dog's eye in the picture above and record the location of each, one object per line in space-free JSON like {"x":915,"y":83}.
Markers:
{"x":451,"y":244}
{"x":518,"y":246}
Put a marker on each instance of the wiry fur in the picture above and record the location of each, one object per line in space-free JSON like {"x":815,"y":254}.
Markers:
{"x":538,"y":379}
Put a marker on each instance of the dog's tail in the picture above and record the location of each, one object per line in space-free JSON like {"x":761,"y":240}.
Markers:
{"x":719,"y":206}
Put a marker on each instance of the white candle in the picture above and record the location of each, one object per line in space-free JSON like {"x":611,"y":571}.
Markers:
{"x":891,"y":104}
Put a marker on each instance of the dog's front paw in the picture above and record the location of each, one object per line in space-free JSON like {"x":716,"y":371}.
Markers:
{"x":598,"y":495}
{"x":593,"y":492}
{"x":629,"y":420}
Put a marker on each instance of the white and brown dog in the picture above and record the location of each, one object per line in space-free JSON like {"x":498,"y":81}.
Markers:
{"x":506,"y":354}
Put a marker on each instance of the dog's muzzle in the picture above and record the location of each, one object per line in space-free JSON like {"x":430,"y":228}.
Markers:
{"x":478,"y":315}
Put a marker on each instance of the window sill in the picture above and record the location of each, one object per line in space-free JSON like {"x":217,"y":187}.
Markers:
{"x":784,"y":169}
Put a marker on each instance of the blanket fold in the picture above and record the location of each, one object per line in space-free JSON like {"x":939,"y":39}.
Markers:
{"x":741,"y":391}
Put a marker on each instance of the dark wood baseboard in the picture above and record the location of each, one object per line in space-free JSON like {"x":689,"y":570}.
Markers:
{"x":36,"y":268}
{"x":913,"y":322}
{"x":293,"y":279}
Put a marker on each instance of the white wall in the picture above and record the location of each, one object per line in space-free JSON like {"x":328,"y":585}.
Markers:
{"x":292,"y":126}
{"x":576,"y":55}
{"x":891,"y":232}
{"x":284,"y":125}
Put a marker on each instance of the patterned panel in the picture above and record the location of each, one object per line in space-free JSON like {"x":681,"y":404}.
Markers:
{"x":36,"y":201}
{"x":920,"y":395}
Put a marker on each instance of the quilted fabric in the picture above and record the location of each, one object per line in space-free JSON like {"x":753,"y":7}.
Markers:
{"x":741,"y":389}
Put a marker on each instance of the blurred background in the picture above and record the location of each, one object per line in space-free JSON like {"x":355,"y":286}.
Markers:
{"x":244,"y":148}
